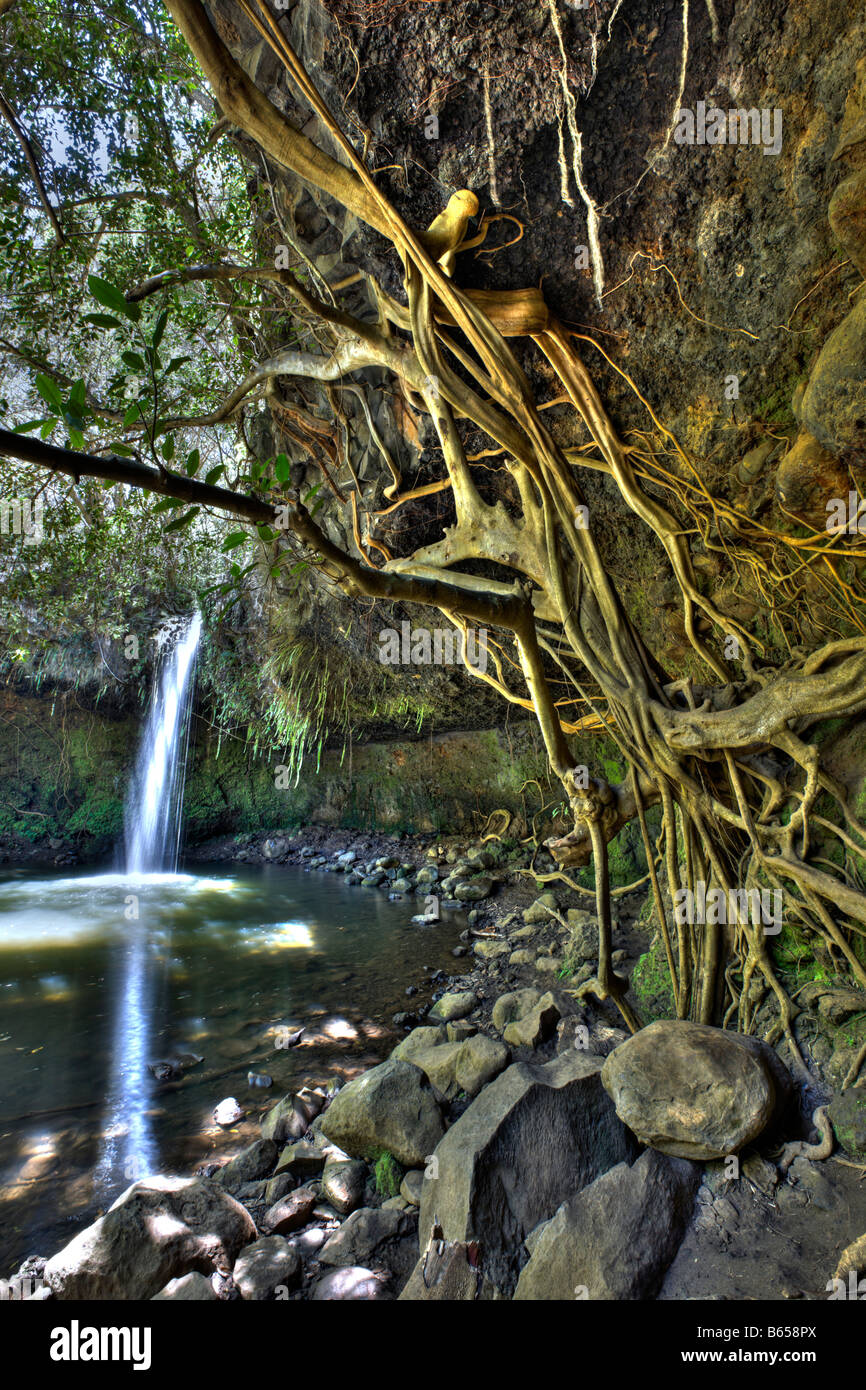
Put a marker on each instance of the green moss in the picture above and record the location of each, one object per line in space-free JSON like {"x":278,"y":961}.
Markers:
{"x":651,"y":983}
{"x":387,"y":1173}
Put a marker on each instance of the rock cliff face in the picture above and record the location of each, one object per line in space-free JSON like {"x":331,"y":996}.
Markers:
{"x":722,"y":277}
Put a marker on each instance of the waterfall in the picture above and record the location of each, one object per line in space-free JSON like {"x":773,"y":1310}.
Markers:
{"x":152,"y":825}
{"x":153,"y":807}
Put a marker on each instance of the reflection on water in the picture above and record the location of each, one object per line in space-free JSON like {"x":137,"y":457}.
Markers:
{"x":204,"y":979}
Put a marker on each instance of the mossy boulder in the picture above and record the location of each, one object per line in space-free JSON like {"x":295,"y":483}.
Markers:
{"x":848,"y":1118}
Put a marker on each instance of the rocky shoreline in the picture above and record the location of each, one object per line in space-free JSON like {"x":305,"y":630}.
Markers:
{"x":516,"y":1143}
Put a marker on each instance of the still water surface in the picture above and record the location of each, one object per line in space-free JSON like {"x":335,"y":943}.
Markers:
{"x":102,"y":975}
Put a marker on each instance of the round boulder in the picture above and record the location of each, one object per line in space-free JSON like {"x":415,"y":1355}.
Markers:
{"x":694,"y":1091}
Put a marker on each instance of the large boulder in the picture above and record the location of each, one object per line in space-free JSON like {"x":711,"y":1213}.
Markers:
{"x":350,"y":1283}
{"x":190,"y":1288}
{"x":516,"y":1004}
{"x":157,"y":1230}
{"x":532,"y":1138}
{"x":390,"y":1107}
{"x":373,"y":1237}
{"x":616,"y":1238}
{"x":694,"y":1091}
{"x":848,"y":1117}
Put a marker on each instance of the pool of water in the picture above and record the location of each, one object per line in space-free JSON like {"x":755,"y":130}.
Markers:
{"x":103,"y":975}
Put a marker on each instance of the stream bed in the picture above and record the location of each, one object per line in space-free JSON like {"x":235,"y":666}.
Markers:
{"x":102,"y":976}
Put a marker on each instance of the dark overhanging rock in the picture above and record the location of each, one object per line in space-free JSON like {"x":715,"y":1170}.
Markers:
{"x":616,"y":1238}
{"x":534,"y":1137}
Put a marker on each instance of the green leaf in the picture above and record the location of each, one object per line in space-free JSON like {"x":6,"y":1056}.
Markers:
{"x":134,"y":360}
{"x":158,"y":331}
{"x":175,"y":363}
{"x":50,"y":393}
{"x":235,"y":539}
{"x":76,"y":439}
{"x":167,"y":503}
{"x":167,"y":449}
{"x":77,"y":397}
{"x":214,"y":473}
{"x":282,"y":468}
{"x":123,"y":450}
{"x":133,"y":414}
{"x":193,"y":459}
{"x":181,"y":521}
{"x":266,"y":534}
{"x":33,"y":425}
{"x":112,"y":298}
{"x":102,"y":320}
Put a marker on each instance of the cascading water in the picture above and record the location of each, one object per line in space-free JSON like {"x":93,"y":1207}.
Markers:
{"x":152,"y":822}
{"x":152,"y":826}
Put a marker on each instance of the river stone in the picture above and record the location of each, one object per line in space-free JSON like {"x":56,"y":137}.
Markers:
{"x":616,"y":1238}
{"x":834,"y":404}
{"x":512,"y":1006}
{"x":540,"y":910}
{"x":301,"y":1159}
{"x":548,"y":965}
{"x":390,"y":1107}
{"x":460,"y":1030}
{"x":351,"y":1282}
{"x":452,"y":1006}
{"x":255,"y":1161}
{"x":532,"y":1138}
{"x":269,"y":1265}
{"x":419,"y":1040}
{"x":343,"y":1183}
{"x":536,"y":1026}
{"x":521,"y":957}
{"x":157,"y":1229}
{"x":691,"y":1090}
{"x":290,"y":1213}
{"x":188,"y":1289}
{"x":291,"y":1117}
{"x":410,"y":1187}
{"x":474,"y":890}
{"x":372,"y":1237}
{"x":489,"y":950}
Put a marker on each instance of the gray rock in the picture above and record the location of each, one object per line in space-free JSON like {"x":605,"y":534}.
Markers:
{"x":616,"y":1238}
{"x":343,"y":1183}
{"x":157,"y":1229}
{"x":351,"y":1282}
{"x":290,"y":1213}
{"x":255,"y":1161}
{"x":473,"y":890}
{"x":410,"y":1187}
{"x":190,"y":1288}
{"x":301,"y":1159}
{"x":536,"y":1026}
{"x":694,"y":1091}
{"x":514,"y":1005}
{"x":390,"y":1107}
{"x":453,"y":1006}
{"x":540,"y":910}
{"x":372,"y":1237}
{"x":532,"y":1138}
{"x":270,"y":1264}
{"x":452,"y":1067}
{"x":489,"y":950}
